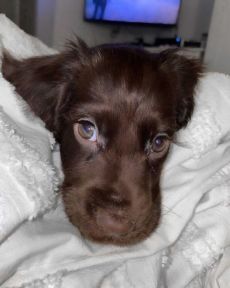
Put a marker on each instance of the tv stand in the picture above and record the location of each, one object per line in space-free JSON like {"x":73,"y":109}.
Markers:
{"x":190,"y":52}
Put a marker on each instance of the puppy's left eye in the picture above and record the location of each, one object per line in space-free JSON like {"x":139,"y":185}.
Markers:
{"x":160,"y":143}
{"x":87,"y":130}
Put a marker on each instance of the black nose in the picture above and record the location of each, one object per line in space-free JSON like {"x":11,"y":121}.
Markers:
{"x":108,"y":198}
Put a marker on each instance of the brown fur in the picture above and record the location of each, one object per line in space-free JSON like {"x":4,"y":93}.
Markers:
{"x":111,"y":190}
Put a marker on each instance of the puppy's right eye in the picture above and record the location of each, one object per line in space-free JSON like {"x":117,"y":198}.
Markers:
{"x":86,"y":130}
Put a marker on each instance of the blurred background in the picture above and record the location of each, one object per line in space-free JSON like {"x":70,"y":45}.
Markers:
{"x":200,"y":26}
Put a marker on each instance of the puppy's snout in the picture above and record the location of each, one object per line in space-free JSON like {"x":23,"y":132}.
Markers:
{"x":112,"y":222}
{"x":110,"y":210}
{"x":109,"y":198}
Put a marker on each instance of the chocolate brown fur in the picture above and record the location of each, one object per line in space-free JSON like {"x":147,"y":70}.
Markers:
{"x":132,"y":95}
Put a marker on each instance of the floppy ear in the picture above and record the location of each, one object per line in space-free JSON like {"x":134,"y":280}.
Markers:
{"x":44,"y":81}
{"x":183,"y":75}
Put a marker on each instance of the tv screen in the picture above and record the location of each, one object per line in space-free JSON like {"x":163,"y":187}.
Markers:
{"x":133,"y":11}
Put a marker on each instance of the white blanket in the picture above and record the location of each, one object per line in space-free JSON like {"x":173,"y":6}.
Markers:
{"x":189,"y":249}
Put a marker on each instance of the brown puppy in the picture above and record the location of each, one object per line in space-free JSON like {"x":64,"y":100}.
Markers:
{"x":114,"y":111}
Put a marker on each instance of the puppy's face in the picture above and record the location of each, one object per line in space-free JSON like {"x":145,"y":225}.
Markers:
{"x":115,"y":111}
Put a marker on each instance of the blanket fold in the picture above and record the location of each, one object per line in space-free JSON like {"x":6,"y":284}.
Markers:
{"x":28,"y":179}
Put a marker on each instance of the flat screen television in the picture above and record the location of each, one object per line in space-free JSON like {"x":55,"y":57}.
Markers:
{"x":160,"y":12}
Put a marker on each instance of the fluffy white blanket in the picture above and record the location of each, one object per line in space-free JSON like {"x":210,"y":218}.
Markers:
{"x":189,"y":249}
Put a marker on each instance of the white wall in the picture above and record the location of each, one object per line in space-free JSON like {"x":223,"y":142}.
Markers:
{"x":195,"y":19}
{"x":64,"y":18}
{"x":217,"y":57}
{"x":45,"y":15}
{"x":69,"y":21}
{"x":11,"y":9}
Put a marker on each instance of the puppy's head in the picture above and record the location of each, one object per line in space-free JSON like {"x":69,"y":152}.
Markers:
{"x":114,"y":111}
